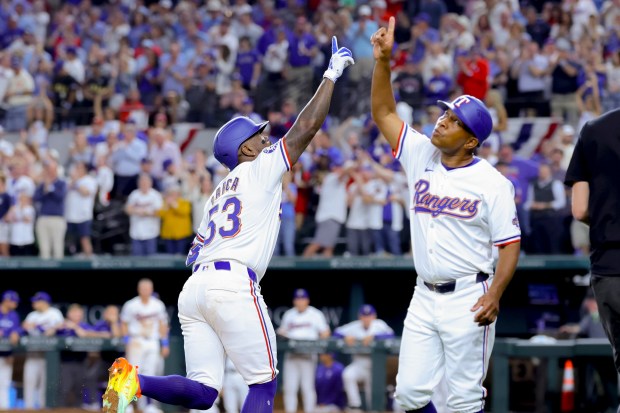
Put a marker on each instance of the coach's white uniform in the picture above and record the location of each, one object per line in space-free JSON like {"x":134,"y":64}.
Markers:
{"x":35,"y":366}
{"x":300,"y":369}
{"x":221,"y":308}
{"x":360,"y":368}
{"x":470,"y":206}
{"x":234,"y":389}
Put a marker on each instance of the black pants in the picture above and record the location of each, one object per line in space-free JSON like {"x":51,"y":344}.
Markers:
{"x":607,"y":294}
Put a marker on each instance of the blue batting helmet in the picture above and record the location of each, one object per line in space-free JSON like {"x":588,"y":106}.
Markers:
{"x":473,"y":113}
{"x":229,"y":138}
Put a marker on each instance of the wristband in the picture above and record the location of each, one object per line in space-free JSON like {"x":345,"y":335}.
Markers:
{"x":126,"y":339}
{"x":165,"y":342}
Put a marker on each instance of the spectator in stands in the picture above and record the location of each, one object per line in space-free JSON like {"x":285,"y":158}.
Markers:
{"x":5,"y":205}
{"x":530,"y":70}
{"x":495,"y":104}
{"x":439,"y":85}
{"x":330,"y":395}
{"x":473,"y":73}
{"x":18,"y":96}
{"x":410,"y":86}
{"x":302,"y":50}
{"x":545,"y":201}
{"x":374,"y":195}
{"x":79,"y":149}
{"x":271,"y":87}
{"x":359,"y":241}
{"x":176,"y":221}
{"x":21,"y":218}
{"x":143,"y":207}
{"x":359,"y":32}
{"x":248,"y":63}
{"x":588,"y":100}
{"x":42,"y":321}
{"x":161,"y":148}
{"x":125,"y":161}
{"x":366,"y":329}
{"x":97,"y":90}
{"x":332,"y":209}
{"x":73,"y":363}
{"x":11,"y":330}
{"x":51,"y":223}
{"x":566,"y":142}
{"x":200,"y":92}
{"x":564,"y":69}
{"x":80,"y":204}
{"x":285,"y":245}
{"x":131,"y":104}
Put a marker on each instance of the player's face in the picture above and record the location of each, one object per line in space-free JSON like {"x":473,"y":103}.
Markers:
{"x":301,"y":303}
{"x":450,"y":135}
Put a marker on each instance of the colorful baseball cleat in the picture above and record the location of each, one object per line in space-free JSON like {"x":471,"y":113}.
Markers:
{"x":123,"y":386}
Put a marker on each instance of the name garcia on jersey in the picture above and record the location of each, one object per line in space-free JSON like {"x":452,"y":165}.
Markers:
{"x":426,"y":202}
{"x":227,"y":185}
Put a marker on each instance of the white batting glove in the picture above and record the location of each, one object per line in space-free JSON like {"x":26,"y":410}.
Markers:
{"x":341,"y":58}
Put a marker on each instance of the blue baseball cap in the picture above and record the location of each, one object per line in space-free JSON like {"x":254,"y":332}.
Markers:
{"x":301,"y":293}
{"x":473,"y":113}
{"x":229,"y":138}
{"x":41,"y":296}
{"x":10,"y":295}
{"x":367,"y":309}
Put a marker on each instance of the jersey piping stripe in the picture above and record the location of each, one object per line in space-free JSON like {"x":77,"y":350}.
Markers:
{"x":401,"y":138}
{"x":507,"y":241}
{"x":264,"y":328}
{"x":284,"y":152}
{"x":200,"y":237}
{"x":485,"y":337}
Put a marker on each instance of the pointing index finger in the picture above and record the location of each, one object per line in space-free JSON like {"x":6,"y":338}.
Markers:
{"x":391,"y":26}
{"x":334,"y":45}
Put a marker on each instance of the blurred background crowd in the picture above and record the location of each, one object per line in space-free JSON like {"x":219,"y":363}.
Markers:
{"x":119,"y":76}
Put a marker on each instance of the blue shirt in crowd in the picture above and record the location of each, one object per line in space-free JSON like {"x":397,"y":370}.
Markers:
{"x":51,"y":199}
{"x":329,"y":386}
{"x":5,"y":204}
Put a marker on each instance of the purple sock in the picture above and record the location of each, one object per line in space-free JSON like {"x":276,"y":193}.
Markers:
{"x":178,"y":391}
{"x":260,"y":398}
{"x":429,"y":408}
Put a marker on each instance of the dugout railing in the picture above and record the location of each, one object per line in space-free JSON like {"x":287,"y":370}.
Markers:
{"x":379,"y":351}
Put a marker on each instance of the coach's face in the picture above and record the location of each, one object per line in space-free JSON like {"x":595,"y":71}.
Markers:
{"x":451,"y":136}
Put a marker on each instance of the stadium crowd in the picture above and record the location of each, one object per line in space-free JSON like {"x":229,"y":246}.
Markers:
{"x":121,"y":75}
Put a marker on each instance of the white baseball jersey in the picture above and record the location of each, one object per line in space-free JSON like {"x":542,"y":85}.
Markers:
{"x":378,"y":328}
{"x":145,"y":227}
{"x":143,"y":319}
{"x":377,"y":189}
{"x":358,"y":210}
{"x":306,"y":325}
{"x":78,"y":207}
{"x":44,"y":320}
{"x":242,"y":217}
{"x":457,"y":214}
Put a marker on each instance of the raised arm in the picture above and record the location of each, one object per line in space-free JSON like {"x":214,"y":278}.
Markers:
{"x":382,"y":102}
{"x":314,"y":113}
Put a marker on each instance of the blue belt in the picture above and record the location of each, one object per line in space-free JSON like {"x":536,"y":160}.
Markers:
{"x":448,"y":287}
{"x":225,"y":266}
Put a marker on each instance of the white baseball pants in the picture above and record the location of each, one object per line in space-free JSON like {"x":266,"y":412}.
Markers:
{"x":359,"y":371}
{"x":441,"y":338}
{"x":35,"y":382}
{"x":223,"y":313}
{"x":6,"y":375}
{"x":234,"y":391}
{"x":299,"y":372}
{"x":146,"y":354}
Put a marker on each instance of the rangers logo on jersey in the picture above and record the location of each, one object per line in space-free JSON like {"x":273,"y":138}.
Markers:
{"x":428,"y":203}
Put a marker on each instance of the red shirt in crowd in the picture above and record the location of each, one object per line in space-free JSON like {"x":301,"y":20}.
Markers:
{"x":474,"y":77}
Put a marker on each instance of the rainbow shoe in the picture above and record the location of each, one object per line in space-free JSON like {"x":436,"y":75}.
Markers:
{"x":123,"y":386}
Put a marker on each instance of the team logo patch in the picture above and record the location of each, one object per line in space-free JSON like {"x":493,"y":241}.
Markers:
{"x":271,"y":148}
{"x":429,"y":203}
{"x":515,"y":222}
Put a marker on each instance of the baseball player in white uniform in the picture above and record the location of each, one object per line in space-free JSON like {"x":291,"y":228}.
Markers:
{"x":364,"y":330}
{"x":461,"y":207}
{"x":42,"y":321}
{"x":221,"y":309}
{"x":10,"y":328}
{"x":302,"y":322}
{"x":144,"y":324}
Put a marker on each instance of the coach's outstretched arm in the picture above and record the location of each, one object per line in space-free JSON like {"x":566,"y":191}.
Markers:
{"x":314,"y":113}
{"x":383,"y":104}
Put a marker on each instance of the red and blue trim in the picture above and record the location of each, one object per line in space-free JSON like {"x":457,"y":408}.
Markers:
{"x":506,"y":241}
{"x":399,"y":144}
{"x":285,"y":155}
{"x":263,"y":326}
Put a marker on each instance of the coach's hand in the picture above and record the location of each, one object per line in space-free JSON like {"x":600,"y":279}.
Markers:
{"x":340,"y":60}
{"x":487,"y":307}
{"x":383,"y":41}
